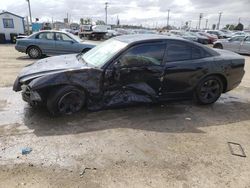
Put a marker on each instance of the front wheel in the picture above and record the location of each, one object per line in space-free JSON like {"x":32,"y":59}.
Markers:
{"x":219,"y":46}
{"x":66,"y":100}
{"x":209,"y":90}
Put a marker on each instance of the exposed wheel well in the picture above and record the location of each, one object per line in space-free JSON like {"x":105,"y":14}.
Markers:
{"x":50,"y":89}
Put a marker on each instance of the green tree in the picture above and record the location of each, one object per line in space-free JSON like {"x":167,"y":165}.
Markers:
{"x":100,"y":22}
{"x":214,"y":26}
{"x":85,"y":21}
{"x":239,"y":27}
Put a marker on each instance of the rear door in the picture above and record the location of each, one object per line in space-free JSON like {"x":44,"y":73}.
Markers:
{"x":245,"y":46}
{"x":184,"y":65}
{"x":46,"y":42}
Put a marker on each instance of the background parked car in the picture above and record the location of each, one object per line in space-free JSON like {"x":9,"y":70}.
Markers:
{"x":200,"y":38}
{"x":218,"y":33}
{"x":211,"y":38}
{"x":237,"y":33}
{"x":51,"y":43}
{"x":239,"y":44}
{"x":188,"y":36}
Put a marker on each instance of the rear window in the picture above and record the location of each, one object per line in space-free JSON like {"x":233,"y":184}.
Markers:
{"x":45,"y":36}
{"x":198,"y":53}
{"x":181,"y":51}
{"x":178,"y":51}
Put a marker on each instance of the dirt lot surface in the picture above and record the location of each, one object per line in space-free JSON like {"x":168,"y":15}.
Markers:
{"x":178,"y":144}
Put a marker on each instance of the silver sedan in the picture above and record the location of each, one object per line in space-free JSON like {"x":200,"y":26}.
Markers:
{"x":51,"y":43}
{"x":238,"y":44}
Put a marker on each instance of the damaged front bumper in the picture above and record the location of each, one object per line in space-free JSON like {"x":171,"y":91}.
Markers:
{"x":32,"y":97}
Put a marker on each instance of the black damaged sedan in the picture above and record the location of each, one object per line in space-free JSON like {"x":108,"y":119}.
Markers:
{"x":128,"y":70}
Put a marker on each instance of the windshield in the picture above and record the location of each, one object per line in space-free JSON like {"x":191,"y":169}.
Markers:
{"x":74,"y":37}
{"x":99,"y":55}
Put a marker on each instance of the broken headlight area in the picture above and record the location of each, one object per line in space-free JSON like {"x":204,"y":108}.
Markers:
{"x":32,"y":97}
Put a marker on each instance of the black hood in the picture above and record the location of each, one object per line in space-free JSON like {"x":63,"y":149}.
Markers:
{"x":51,"y":65}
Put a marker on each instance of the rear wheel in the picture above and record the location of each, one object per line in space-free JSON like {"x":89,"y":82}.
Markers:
{"x":209,"y":90}
{"x":34,"y":52}
{"x":66,"y":100}
{"x":219,"y":46}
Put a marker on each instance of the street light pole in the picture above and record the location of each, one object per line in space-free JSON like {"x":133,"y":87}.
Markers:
{"x":218,"y":26}
{"x":200,"y":17}
{"x":30,"y":14}
{"x":206,"y":23}
{"x":168,"y":18}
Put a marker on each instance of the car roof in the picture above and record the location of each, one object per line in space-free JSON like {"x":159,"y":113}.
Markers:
{"x":143,"y":37}
{"x":51,"y":31}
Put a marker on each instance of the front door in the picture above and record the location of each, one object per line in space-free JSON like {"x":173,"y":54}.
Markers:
{"x":136,"y":74}
{"x":65,"y":44}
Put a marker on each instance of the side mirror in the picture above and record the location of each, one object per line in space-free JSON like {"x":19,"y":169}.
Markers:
{"x":116,"y":69}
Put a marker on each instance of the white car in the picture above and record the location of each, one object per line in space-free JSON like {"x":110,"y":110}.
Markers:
{"x":239,"y":44}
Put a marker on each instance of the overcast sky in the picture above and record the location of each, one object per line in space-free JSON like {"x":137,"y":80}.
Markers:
{"x":146,"y":12}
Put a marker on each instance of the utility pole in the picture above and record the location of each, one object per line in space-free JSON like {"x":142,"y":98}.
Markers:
{"x":200,"y":17}
{"x":168,"y":18}
{"x":218,"y":26}
{"x":206,"y":23}
{"x":52,"y":22}
{"x":30,"y":16}
{"x":239,"y":20}
{"x":106,"y":13}
{"x":28,"y":27}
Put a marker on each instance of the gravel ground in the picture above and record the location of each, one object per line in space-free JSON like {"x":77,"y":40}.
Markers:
{"x":178,"y":144}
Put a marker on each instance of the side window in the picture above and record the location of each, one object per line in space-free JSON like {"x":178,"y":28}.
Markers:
{"x":178,"y":51}
{"x":236,"y":39}
{"x":143,"y":55}
{"x":197,"y":53}
{"x":62,"y":37}
{"x":46,"y":36}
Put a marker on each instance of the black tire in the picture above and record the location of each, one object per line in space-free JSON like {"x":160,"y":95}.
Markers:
{"x":208,"y":90}
{"x":219,"y":46}
{"x":89,"y":37}
{"x":66,"y":100}
{"x":34,"y":52}
{"x":205,"y":42}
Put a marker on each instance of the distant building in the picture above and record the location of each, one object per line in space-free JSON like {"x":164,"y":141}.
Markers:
{"x":11,"y":23}
{"x":74,"y":26}
{"x":59,"y":25}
